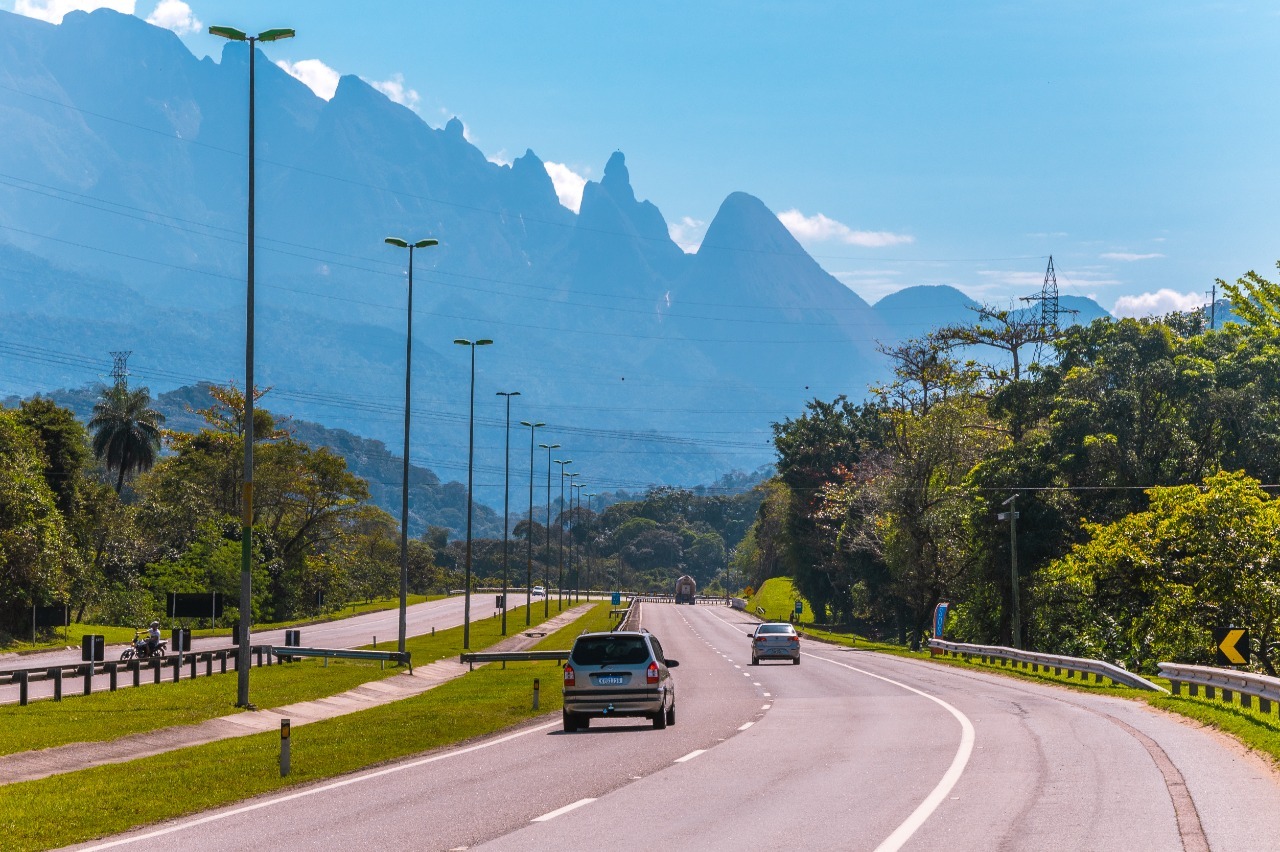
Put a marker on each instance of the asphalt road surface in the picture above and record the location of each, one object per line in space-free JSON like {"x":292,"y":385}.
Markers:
{"x":848,"y":751}
{"x":344,"y":633}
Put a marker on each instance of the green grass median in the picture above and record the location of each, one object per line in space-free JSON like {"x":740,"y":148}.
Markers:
{"x":106,"y":716}
{"x":97,"y":802}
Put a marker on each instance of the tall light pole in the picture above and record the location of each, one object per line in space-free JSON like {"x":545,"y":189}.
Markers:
{"x":1015,"y":616}
{"x":404,"y":495}
{"x":471,"y":454}
{"x":590,"y":539}
{"x":575,"y":503}
{"x":506,"y":506}
{"x":528,"y":538}
{"x":546,"y":563}
{"x":246,"y":500}
{"x":560,"y":524}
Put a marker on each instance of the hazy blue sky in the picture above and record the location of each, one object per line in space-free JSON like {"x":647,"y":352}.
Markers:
{"x":903,"y":142}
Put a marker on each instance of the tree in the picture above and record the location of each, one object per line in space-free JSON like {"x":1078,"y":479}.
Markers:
{"x":126,"y":431}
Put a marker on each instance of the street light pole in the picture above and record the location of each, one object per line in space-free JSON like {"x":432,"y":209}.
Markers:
{"x":404,"y":483}
{"x":590,"y":539}
{"x":471,"y":453}
{"x":575,"y":503}
{"x":1015,"y":616}
{"x":246,"y":500}
{"x":560,"y":524}
{"x":546,"y":562}
{"x":506,"y":506}
{"x":528,"y":538}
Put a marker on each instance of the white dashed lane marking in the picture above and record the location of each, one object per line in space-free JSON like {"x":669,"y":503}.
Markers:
{"x":558,"y":811}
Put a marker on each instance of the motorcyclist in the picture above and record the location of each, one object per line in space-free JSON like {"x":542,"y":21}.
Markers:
{"x":153,"y":638}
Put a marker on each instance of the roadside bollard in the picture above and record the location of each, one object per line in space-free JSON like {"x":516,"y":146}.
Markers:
{"x":284,"y":747}
{"x":536,"y":687}
{"x":57,"y":683}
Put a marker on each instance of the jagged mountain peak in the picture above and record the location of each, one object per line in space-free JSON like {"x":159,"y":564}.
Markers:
{"x":744,"y":222}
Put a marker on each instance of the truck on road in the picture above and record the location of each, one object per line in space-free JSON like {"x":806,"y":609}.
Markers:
{"x":686,"y":588}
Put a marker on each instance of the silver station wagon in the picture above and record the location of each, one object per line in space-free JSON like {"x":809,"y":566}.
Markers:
{"x":618,"y":674}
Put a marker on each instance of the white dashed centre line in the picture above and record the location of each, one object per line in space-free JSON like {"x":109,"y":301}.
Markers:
{"x":765,"y":706}
{"x":558,"y":811}
{"x":744,"y":727}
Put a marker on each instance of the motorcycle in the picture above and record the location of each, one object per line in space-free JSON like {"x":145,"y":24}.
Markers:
{"x":140,"y":650}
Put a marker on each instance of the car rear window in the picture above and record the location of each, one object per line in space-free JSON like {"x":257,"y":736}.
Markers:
{"x":775,"y":628}
{"x":610,"y":651}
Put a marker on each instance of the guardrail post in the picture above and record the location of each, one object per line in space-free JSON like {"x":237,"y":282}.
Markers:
{"x":222,"y":657}
{"x":194,"y":660}
{"x":21,"y":678}
{"x":136,"y":668}
{"x":1193,"y":689}
{"x":259,"y":650}
{"x":1175,"y":686}
{"x":177,"y":668}
{"x":1209,"y":692}
{"x":57,"y":683}
{"x":88,"y":678}
{"x":155,"y":668}
{"x":208,"y":665}
{"x":1226,"y":695}
{"x":1246,"y":700}
{"x":1264,"y":705}
{"x":111,"y":669}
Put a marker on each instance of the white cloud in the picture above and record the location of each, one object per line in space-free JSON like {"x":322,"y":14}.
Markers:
{"x":820,"y":228}
{"x":1161,"y":302}
{"x":1128,"y":257}
{"x":688,"y":233}
{"x":502,"y":158}
{"x":568,"y":184}
{"x":871,"y":284}
{"x":320,"y":78}
{"x":395,"y":89}
{"x":54,"y":10}
{"x":175,"y":15}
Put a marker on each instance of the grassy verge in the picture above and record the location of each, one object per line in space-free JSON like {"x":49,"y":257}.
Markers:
{"x":777,"y":596}
{"x":109,"y":715}
{"x":119,"y":635}
{"x":94,"y":803}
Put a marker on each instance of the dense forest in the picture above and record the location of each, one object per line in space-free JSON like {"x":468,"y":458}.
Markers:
{"x":1139,"y":456}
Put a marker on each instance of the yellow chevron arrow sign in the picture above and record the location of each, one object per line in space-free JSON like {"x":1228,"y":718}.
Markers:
{"x":1232,"y":646}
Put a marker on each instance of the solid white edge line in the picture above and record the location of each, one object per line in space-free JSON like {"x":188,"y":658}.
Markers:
{"x":917,"y":818}
{"x":314,"y":790}
{"x":558,"y":811}
{"x":691,"y":755}
{"x":744,"y":727}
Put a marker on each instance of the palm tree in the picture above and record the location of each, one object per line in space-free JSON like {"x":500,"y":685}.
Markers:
{"x":126,"y":431}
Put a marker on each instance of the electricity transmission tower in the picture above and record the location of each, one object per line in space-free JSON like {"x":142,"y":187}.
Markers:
{"x":120,"y":367}
{"x":1048,"y":311}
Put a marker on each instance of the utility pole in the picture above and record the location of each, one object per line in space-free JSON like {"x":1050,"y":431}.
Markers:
{"x":1015,"y":615}
{"x":1213,"y":306}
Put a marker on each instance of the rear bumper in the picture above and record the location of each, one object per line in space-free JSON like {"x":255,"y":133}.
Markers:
{"x":616,"y":702}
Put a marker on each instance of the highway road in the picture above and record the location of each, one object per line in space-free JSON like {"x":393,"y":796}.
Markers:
{"x":349,"y":632}
{"x":849,"y":750}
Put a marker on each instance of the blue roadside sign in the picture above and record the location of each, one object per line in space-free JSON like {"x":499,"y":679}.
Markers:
{"x":617,"y":598}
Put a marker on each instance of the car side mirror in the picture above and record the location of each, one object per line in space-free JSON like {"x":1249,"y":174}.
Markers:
{"x":671,"y":664}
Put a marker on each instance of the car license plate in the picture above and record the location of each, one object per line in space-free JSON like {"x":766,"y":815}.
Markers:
{"x":610,"y":679}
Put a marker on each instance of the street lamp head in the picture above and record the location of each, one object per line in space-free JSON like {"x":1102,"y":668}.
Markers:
{"x":275,"y":35}
{"x":425,"y":243}
{"x":228,"y":33}
{"x":532,"y":425}
{"x":483,"y":342}
{"x":507,"y":394}
{"x":549,"y":446}
{"x":396,"y":241}
{"x":462,"y":341}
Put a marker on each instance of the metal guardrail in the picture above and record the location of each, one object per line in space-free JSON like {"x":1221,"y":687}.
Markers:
{"x":1226,"y":681}
{"x":112,"y":668}
{"x":284,"y":652}
{"x":504,"y":657}
{"x":1035,"y":661}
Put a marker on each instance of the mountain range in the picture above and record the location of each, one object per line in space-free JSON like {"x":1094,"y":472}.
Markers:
{"x":123,"y":199}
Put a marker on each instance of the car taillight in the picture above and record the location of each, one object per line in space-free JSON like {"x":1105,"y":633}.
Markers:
{"x":794,"y":640}
{"x":569,"y":678}
{"x":651,"y":673}
{"x":759,"y":638}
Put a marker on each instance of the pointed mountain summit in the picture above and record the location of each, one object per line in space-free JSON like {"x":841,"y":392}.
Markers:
{"x":622,"y":244}
{"x":749,"y":256}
